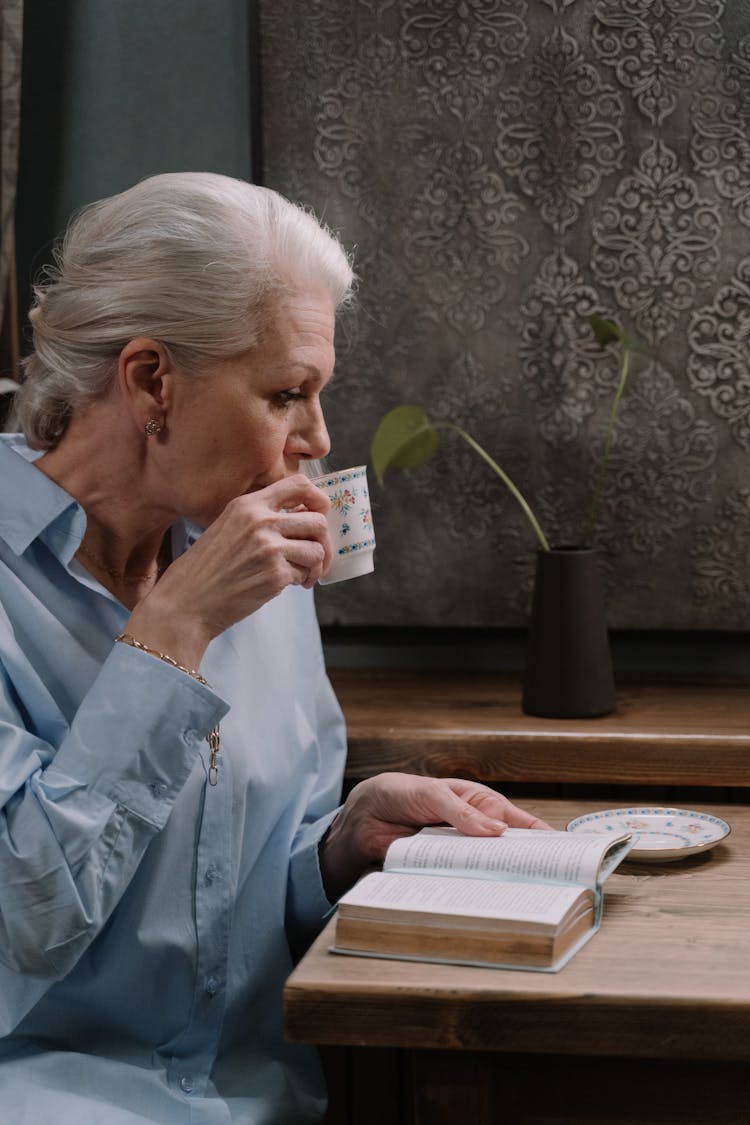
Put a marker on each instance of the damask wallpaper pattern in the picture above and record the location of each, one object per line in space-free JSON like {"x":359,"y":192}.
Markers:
{"x":501,"y":169}
{"x":11,"y":21}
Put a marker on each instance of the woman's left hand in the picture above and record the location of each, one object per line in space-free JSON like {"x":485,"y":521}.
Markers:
{"x":387,"y":806}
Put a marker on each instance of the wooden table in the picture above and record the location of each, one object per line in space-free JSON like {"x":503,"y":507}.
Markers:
{"x":650,"y":1021}
{"x":683,"y":734}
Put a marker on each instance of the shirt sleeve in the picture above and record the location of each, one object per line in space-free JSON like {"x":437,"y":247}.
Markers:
{"x":76,"y":820}
{"x":307,"y":904}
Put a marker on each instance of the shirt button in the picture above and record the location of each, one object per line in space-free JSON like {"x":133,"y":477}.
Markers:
{"x":212,"y":986}
{"x":158,"y":788}
{"x":186,"y":1085}
{"x":212,"y":873}
{"x":192,"y":736}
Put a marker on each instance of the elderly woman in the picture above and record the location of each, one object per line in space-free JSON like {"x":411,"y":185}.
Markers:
{"x":170,"y":749}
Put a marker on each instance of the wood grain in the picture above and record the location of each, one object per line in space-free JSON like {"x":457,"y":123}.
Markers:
{"x":473,"y":726}
{"x":667,"y":976}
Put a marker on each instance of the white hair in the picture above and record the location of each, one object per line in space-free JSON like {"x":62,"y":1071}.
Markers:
{"x":189,"y":259}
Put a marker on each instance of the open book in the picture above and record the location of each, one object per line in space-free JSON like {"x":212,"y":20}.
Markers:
{"x":528,"y":899}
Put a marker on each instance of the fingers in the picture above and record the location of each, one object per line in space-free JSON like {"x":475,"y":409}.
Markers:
{"x":295,"y":492}
{"x":519,"y":818}
{"x":409,"y":799}
{"x":261,"y":543}
{"x":302,"y":525}
{"x":286,"y":522}
{"x":467,"y":818}
{"x":300,"y":515}
{"x":307,"y":560}
{"x":387,"y":806}
{"x":493,"y":806}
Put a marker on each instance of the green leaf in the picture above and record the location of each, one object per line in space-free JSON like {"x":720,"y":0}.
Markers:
{"x":606,"y":331}
{"x":403,"y":440}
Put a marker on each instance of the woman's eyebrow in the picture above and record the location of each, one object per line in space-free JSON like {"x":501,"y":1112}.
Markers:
{"x":310,"y":370}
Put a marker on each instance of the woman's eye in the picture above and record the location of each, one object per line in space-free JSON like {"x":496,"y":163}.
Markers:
{"x":285,"y":398}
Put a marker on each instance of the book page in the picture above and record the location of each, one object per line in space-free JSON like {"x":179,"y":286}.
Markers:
{"x":520,"y":853}
{"x":458,"y":896}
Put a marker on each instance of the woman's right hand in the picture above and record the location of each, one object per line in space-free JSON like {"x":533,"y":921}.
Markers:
{"x":261,"y":543}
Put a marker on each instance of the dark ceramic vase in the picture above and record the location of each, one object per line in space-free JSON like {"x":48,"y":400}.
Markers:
{"x":569,"y":662}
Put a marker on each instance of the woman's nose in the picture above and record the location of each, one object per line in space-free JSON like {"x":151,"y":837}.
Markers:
{"x":312,"y":439}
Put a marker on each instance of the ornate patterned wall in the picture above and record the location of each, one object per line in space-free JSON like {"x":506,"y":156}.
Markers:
{"x":502,"y":169}
{"x":11,"y":32}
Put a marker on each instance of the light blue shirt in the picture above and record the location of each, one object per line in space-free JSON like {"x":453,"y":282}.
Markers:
{"x":146,"y":917}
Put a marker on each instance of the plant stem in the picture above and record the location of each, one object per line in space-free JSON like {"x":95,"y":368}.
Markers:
{"x":503,"y":477}
{"x":589,"y":527}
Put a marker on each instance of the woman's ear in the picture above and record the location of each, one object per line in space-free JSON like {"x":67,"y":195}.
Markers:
{"x":145,"y":378}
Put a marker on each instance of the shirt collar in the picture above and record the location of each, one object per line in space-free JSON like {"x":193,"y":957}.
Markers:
{"x":32,"y":505}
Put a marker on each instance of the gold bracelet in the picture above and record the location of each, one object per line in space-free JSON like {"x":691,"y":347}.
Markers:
{"x":213,"y":737}
{"x":128,"y":639}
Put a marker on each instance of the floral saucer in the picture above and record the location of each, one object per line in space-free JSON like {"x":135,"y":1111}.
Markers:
{"x":661,"y":834}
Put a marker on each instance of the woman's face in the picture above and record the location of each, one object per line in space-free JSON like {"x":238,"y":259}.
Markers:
{"x":255,"y":417}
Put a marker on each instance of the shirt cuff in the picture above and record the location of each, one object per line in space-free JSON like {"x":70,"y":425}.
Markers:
{"x":308,"y":906}
{"x":135,"y":737}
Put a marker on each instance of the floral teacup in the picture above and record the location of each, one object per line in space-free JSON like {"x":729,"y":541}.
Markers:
{"x":349,"y":523}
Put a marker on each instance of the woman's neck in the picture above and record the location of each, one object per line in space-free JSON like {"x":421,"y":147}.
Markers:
{"x":126,"y":545}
